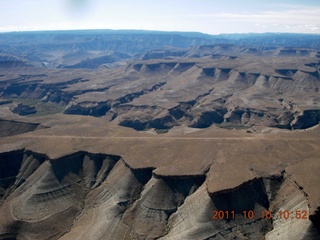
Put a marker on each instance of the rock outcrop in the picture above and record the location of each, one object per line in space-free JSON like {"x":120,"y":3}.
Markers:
{"x":11,"y":128}
{"x":98,"y":196}
{"x":164,"y":80}
{"x":24,"y":110}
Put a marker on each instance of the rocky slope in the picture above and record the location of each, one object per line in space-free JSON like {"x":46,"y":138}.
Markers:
{"x":98,"y":196}
{"x":243,"y":90}
{"x":90,"y":49}
{"x":74,"y":170}
{"x":73,"y":181}
{"x":11,"y":128}
{"x":159,"y":80}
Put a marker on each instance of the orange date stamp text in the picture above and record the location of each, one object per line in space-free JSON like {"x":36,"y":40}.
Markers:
{"x":265,"y":214}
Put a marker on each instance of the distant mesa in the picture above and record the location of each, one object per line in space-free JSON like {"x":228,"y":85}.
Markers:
{"x":144,"y":80}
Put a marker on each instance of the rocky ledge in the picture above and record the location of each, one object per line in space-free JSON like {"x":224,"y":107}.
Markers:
{"x":97,"y":196}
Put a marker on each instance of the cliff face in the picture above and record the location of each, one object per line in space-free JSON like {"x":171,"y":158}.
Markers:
{"x":246,"y":91}
{"x":213,"y":157}
{"x":98,"y":196}
{"x":159,"y":80}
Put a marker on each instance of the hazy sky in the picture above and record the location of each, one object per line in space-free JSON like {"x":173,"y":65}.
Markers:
{"x":208,"y":16}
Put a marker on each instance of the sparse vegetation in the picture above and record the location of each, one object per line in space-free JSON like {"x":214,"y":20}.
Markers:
{"x":43,"y":108}
{"x":162,"y":131}
{"x":230,"y":125}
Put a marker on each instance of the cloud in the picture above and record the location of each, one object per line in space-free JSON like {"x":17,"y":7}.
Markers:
{"x":261,"y":25}
{"x":313,"y":27}
{"x":279,"y":17}
{"x":80,"y":14}
{"x":13,"y":28}
{"x":291,"y":16}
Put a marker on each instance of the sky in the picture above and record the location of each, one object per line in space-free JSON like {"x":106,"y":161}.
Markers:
{"x":207,"y":16}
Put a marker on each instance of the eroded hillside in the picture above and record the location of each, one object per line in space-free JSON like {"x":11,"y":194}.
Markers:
{"x":154,"y":135}
{"x":72,"y":181}
{"x":269,"y":88}
{"x":159,"y":80}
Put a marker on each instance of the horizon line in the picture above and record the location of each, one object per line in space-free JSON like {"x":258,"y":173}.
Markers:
{"x":150,"y":31}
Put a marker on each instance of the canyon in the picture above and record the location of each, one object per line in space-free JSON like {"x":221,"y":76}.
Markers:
{"x":146,"y":135}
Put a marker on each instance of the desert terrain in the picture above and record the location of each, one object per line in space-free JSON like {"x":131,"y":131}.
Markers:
{"x":159,"y":135}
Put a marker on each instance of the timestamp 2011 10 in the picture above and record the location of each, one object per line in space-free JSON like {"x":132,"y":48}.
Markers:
{"x":265,"y":214}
